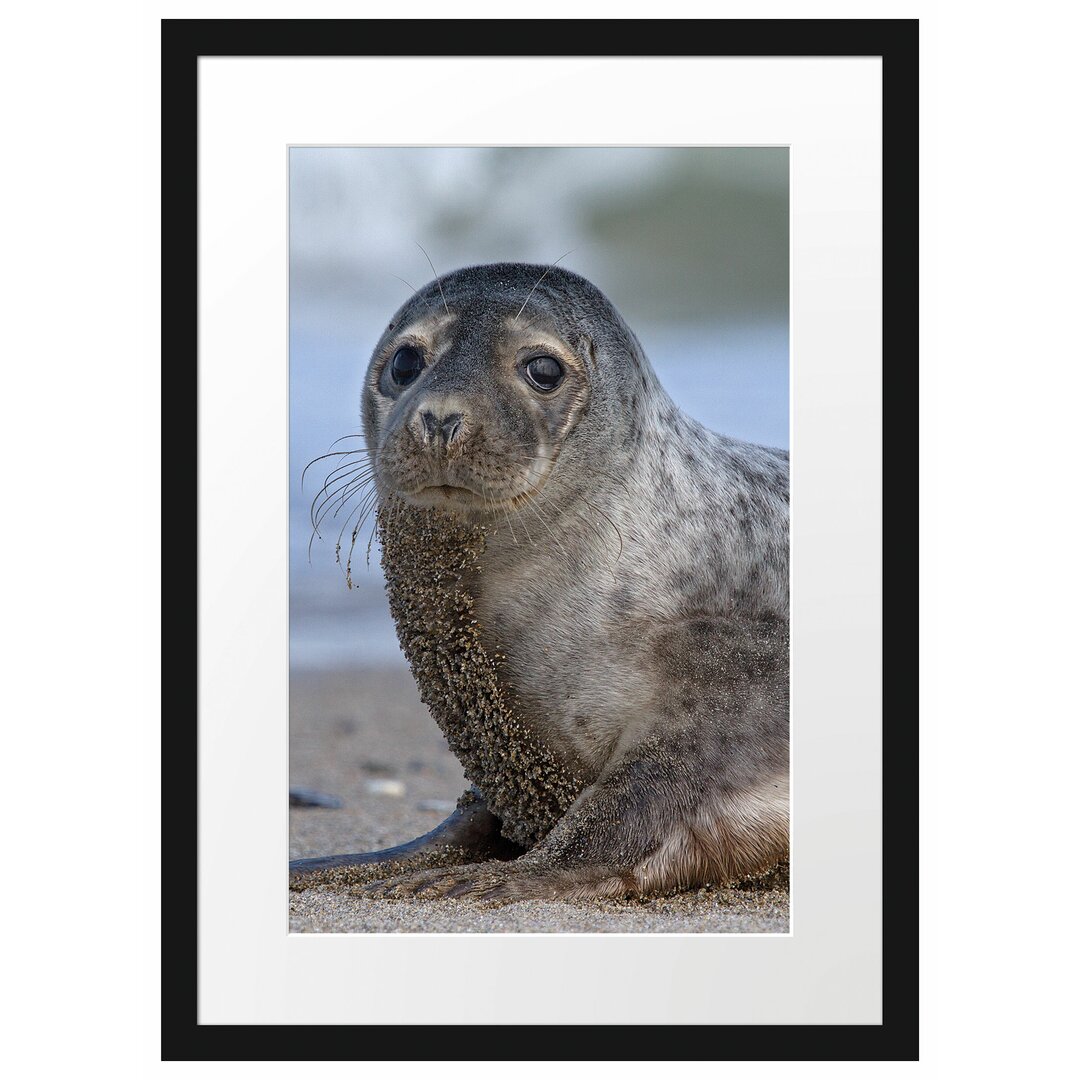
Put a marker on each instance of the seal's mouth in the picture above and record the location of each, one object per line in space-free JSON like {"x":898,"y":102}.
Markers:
{"x":444,"y":495}
{"x":449,"y":491}
{"x":457,"y":489}
{"x":451,"y":496}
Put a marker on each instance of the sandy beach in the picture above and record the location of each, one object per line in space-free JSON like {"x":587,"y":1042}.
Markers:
{"x":364,"y":736}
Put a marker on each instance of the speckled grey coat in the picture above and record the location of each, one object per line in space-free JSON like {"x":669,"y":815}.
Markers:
{"x":592,"y":590}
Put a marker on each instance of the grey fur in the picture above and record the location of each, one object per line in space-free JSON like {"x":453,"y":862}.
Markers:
{"x":602,"y":629}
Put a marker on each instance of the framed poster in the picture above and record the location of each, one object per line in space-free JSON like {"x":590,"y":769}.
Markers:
{"x":246,"y":104}
{"x":587,"y":550}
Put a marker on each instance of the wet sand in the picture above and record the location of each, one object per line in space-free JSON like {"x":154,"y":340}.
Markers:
{"x":365,"y":737}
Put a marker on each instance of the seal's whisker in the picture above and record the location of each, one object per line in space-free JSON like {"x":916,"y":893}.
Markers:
{"x":491,"y":507}
{"x":327,"y":497}
{"x":316,"y":526}
{"x":590,"y":468}
{"x":334,"y":453}
{"x":349,"y":470}
{"x":364,"y":475}
{"x":342,"y":476}
{"x":344,"y":500}
{"x":618,"y":533}
{"x":510,"y":526}
{"x":541,"y":278}
{"x":414,"y":291}
{"x":530,"y":502}
{"x":386,"y":514}
{"x":521,"y":521}
{"x":353,"y":484}
{"x":341,"y":501}
{"x":315,"y":533}
{"x":368,"y":502}
{"x":364,"y":449}
{"x":436,"y":273}
{"x":370,"y":541}
{"x":581,"y":516}
{"x":530,"y":499}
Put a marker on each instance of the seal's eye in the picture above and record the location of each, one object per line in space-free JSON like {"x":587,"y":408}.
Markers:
{"x":406,"y":365}
{"x":544,"y":372}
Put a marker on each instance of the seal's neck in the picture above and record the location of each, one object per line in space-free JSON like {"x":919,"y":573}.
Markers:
{"x":433,"y":561}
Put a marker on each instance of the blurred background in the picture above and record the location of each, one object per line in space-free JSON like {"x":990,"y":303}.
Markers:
{"x":690,"y":244}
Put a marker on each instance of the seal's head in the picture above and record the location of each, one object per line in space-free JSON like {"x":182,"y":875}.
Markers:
{"x":480,"y":379}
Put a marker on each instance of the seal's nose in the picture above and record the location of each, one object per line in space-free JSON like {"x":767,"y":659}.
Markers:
{"x":447,"y":427}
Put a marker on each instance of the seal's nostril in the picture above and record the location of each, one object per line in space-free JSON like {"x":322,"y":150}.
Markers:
{"x":444,"y":429}
{"x":431,"y":425}
{"x":451,"y":426}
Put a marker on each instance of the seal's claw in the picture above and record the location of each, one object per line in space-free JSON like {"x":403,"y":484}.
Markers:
{"x":461,"y":888}
{"x":489,"y":883}
{"x":448,"y":882}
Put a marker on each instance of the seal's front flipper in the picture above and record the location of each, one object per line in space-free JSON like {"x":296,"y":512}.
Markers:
{"x":648,"y":826}
{"x":469,"y":834}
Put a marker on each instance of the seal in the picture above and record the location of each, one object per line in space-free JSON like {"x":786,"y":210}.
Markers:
{"x":591,"y":589}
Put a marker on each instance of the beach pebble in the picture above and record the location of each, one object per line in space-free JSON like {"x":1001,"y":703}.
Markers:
{"x":307,"y":797}
{"x":392,"y":788}
{"x":443,"y":806}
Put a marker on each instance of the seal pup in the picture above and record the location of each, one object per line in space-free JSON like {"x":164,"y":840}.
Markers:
{"x":591,"y":589}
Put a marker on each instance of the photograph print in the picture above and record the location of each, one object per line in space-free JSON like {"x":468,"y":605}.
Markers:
{"x":539,"y":539}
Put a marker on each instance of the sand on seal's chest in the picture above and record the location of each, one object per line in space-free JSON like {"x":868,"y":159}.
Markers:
{"x":432,"y":560}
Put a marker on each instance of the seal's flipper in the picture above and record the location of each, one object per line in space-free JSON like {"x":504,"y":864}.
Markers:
{"x":469,"y":834}
{"x":648,"y":826}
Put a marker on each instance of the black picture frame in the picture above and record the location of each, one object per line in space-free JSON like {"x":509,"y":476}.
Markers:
{"x":182,"y":43}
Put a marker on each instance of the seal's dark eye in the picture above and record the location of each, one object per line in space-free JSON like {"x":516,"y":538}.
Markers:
{"x":406,"y":365}
{"x":544,"y":372}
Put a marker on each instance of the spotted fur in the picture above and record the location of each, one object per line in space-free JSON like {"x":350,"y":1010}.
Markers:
{"x":592,"y":590}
